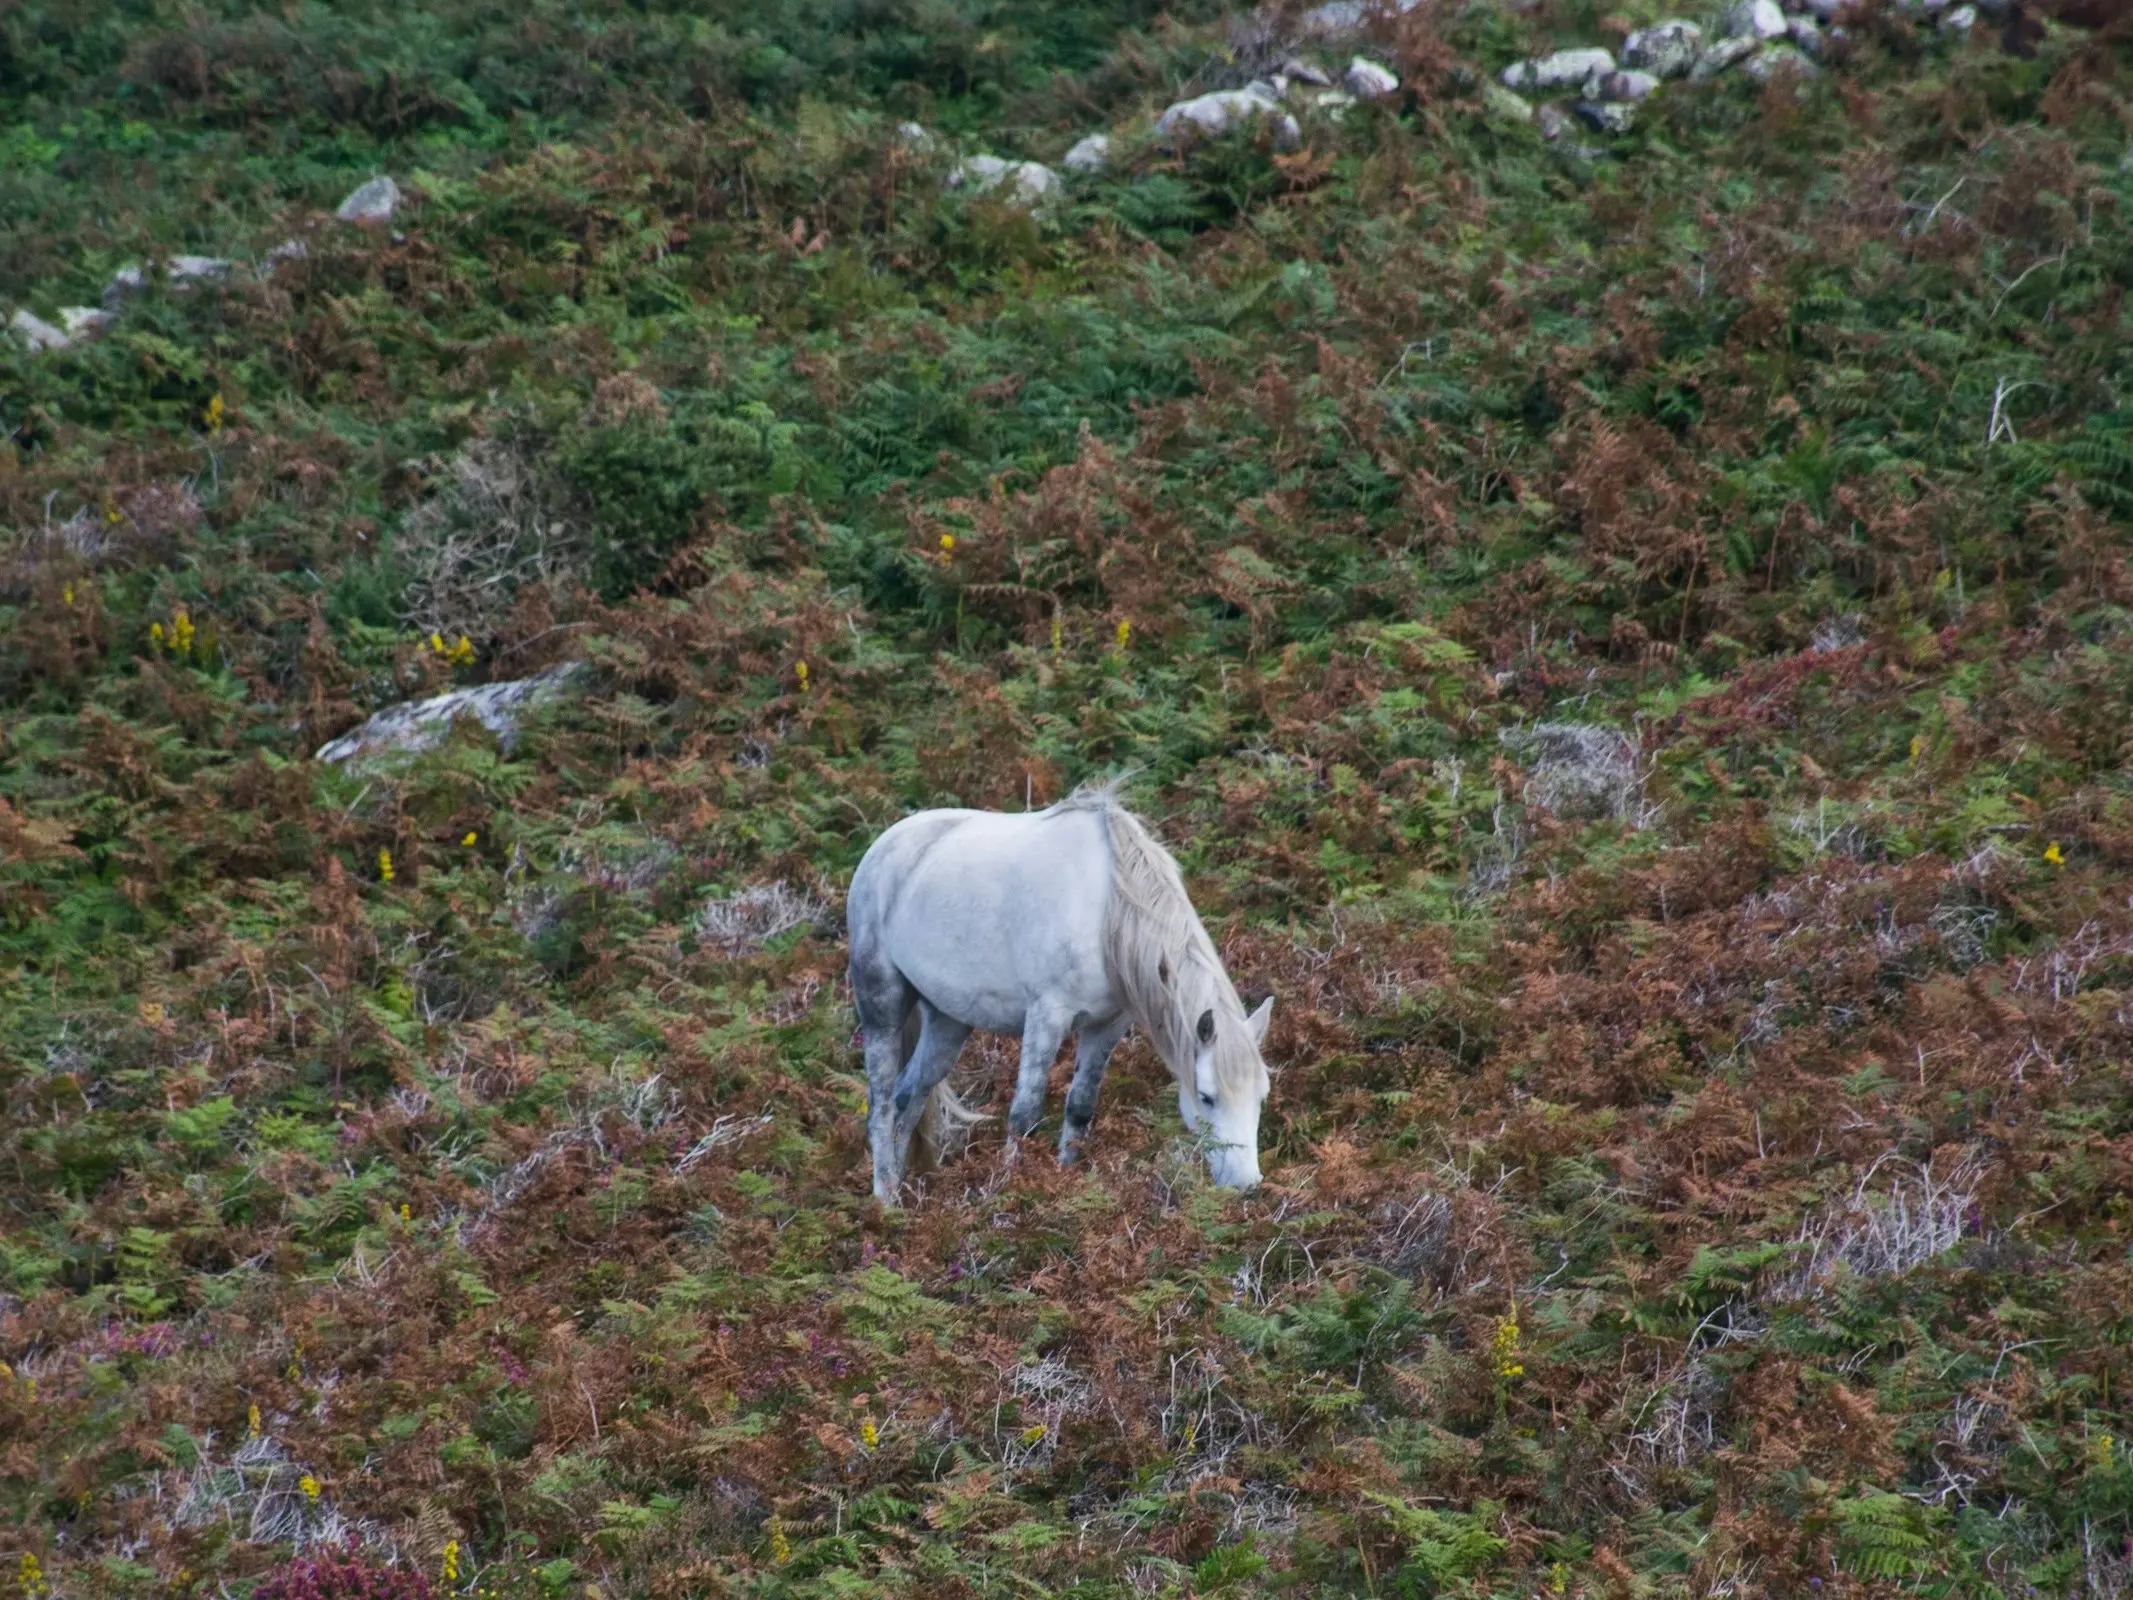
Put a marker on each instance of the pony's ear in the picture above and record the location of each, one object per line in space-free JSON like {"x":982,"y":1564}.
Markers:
{"x":1259,"y":1021}
{"x":1206,"y":1029}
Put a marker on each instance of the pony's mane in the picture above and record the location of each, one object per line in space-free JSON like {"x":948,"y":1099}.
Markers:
{"x":1158,"y":953}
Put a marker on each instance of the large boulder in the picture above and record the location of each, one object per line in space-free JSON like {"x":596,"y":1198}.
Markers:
{"x":417,"y":725}
{"x":1222,"y":110}
{"x":37,"y":333}
{"x":1028,"y":184}
{"x":1666,"y":49}
{"x":1091,"y":154}
{"x":1565,"y":69}
{"x":1366,"y":80}
{"x":375,"y":201}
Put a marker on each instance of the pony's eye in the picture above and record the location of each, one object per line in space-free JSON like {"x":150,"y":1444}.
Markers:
{"x":1208,"y":1101}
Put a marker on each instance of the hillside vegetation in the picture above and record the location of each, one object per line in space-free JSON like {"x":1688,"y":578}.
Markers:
{"x":1631,"y":640}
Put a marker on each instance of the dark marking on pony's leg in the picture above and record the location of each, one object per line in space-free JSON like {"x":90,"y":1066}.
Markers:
{"x":940,"y":1041}
{"x":1092,"y":1058}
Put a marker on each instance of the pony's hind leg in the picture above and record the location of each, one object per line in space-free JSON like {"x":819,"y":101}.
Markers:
{"x":1092,"y":1055}
{"x":940,"y":1041}
{"x":887,"y":1007}
{"x":1043,"y":1026}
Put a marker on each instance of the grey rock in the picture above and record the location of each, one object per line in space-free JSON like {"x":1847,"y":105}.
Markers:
{"x":37,"y":333}
{"x":1627,"y":87}
{"x":913,"y":137}
{"x":1366,"y":80}
{"x":129,"y":280}
{"x":1298,"y":70}
{"x":1754,"y":19}
{"x":1961,"y":20}
{"x":1224,"y":109}
{"x":1668,"y":49}
{"x":1565,"y":69}
{"x":1502,"y":105}
{"x":1092,"y":154}
{"x":287,"y":250}
{"x":1551,"y":123}
{"x":1341,"y":17}
{"x":375,"y":201}
{"x":1723,"y":54}
{"x":1606,"y":116}
{"x":184,"y":271}
{"x":1029,"y":184}
{"x":84,"y":321}
{"x":1776,"y":60}
{"x":418,"y":725}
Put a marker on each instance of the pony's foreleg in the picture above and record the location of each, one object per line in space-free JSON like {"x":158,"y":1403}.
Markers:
{"x":940,"y":1041}
{"x":1042,"y":1029}
{"x":1092,"y":1055}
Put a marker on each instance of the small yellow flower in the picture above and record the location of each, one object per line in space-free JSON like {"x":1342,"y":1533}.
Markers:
{"x":471,"y":840}
{"x":1505,"y":1346}
{"x":947,"y":544}
{"x":799,"y":671}
{"x":66,"y":595}
{"x":310,"y":1486}
{"x":385,"y":866}
{"x":1917,"y":744}
{"x":251,"y":1419}
{"x":152,"y":1013}
{"x":1125,"y":634}
{"x":451,"y":1561}
{"x":2051,"y":854}
{"x":437,"y":643}
{"x":780,"y":1546}
{"x":461,"y":653}
{"x":869,"y":1435}
{"x":111,"y":510}
{"x":215,"y":414}
{"x":155,"y":632}
{"x":405,"y":1214}
{"x":1033,"y":1433}
{"x":1058,"y":633}
{"x":2100,"y":1449}
{"x":31,"y":1577}
{"x":181,"y":634}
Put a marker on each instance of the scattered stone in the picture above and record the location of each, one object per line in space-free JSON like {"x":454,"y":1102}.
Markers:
{"x":1754,"y":19}
{"x":1551,"y":122}
{"x":1224,"y":109}
{"x":1721,"y":55}
{"x":1298,"y":70}
{"x":1772,"y":61}
{"x":1565,"y":69}
{"x":1366,"y":80}
{"x":1961,"y":20}
{"x":1092,"y":154}
{"x":287,"y":250}
{"x":1807,"y":34}
{"x":913,"y":137}
{"x":84,"y":321}
{"x":418,"y":725}
{"x":1606,"y":117}
{"x":1504,"y":106}
{"x":1332,"y":103}
{"x":37,"y":333}
{"x":1627,"y":87}
{"x":375,"y":201}
{"x":1339,"y":17}
{"x":1668,"y":49}
{"x":186,"y":270}
{"x":1030,"y":183}
{"x":129,"y":280}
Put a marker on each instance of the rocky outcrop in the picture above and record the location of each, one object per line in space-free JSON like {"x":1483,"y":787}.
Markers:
{"x":1222,"y":110}
{"x":1666,"y":49}
{"x":372,"y":202}
{"x":1092,"y":154}
{"x":1565,"y":69}
{"x":418,"y":725}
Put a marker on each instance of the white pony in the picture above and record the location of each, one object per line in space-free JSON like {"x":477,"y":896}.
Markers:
{"x":1068,"y":920}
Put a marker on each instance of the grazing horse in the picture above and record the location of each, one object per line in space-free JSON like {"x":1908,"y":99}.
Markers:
{"x":1068,"y":920}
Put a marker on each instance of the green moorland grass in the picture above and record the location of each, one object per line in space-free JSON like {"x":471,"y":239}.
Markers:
{"x":1634,"y":650}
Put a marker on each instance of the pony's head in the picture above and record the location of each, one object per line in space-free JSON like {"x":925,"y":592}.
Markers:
{"x":1229,"y":1085}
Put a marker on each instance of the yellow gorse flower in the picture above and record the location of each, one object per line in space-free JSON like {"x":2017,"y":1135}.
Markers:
{"x":1505,"y":1347}
{"x":2100,"y":1449}
{"x":385,"y":866}
{"x":1125,"y":634}
{"x":251,"y":1419}
{"x":310,"y":1486}
{"x":215,"y":413}
{"x":869,"y":1435}
{"x":799,"y":671}
{"x":1033,"y":1433}
{"x":405,"y":1214}
{"x":1917,"y":744}
{"x":2052,"y":854}
{"x":947,"y":544}
{"x":66,"y":595}
{"x":471,"y":840}
{"x":780,"y":1546}
{"x":1058,"y":633}
{"x":30,"y":1576}
{"x":451,"y":1561}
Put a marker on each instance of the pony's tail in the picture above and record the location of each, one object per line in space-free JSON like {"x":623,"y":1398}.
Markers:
{"x":943,"y":1130}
